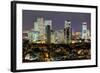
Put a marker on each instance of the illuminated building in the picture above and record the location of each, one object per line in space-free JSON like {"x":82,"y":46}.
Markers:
{"x":41,"y":28}
{"x":67,"y":32}
{"x":48,"y":34}
{"x":84,"y":31}
{"x":33,"y":36}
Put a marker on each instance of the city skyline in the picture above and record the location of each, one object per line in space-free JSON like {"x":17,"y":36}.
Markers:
{"x":55,"y":36}
{"x":58,"y":19}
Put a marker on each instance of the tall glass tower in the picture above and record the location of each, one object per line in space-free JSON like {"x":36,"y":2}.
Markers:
{"x":48,"y":34}
{"x":41,"y":28}
{"x":84,"y":31}
{"x":67,"y":32}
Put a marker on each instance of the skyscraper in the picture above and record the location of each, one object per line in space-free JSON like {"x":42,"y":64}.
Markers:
{"x":84,"y":31}
{"x":41,"y":27}
{"x":48,"y":27}
{"x":67,"y":32}
{"x":48,"y":34}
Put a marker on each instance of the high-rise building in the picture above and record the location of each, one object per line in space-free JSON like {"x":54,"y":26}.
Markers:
{"x":48,"y":27}
{"x":67,"y":32}
{"x":48,"y":34}
{"x":84,"y":31}
{"x":41,"y":27}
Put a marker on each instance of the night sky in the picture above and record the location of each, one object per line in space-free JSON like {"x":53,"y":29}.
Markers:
{"x":58,"y":19}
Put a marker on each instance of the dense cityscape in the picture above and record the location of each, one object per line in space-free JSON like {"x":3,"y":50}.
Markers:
{"x":42,"y":43}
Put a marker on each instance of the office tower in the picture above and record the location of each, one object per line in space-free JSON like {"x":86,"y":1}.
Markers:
{"x":67,"y":32}
{"x":41,"y":27}
{"x":48,"y":27}
{"x":48,"y":34}
{"x":84,"y":31}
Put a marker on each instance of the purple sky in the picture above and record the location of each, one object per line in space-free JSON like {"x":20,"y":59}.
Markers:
{"x":58,"y":19}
